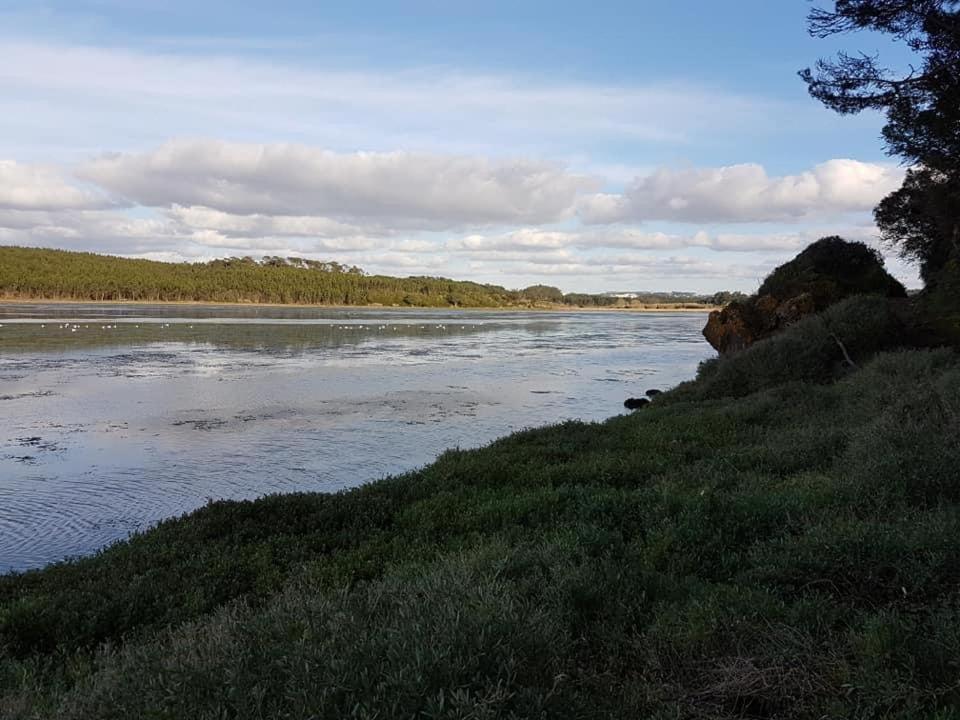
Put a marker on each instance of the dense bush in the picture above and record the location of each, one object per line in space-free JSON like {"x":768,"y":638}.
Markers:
{"x":831,"y":269}
{"x":542,"y":293}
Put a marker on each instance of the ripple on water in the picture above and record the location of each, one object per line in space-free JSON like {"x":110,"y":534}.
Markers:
{"x":65,"y":517}
{"x":148,"y":423}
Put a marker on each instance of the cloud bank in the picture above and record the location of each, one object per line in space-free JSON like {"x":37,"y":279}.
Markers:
{"x":433,"y":213}
{"x":537,"y":241}
{"x":35,"y":187}
{"x":745,"y":193}
{"x":420,"y":190}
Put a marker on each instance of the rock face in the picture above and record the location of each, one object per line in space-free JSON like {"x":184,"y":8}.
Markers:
{"x":789,"y":311}
{"x":828,"y":271}
{"x":732,"y":328}
{"x":741,"y":324}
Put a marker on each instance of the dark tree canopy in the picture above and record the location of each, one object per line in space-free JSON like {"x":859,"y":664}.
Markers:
{"x":831,"y":269}
{"x":922,"y":217}
{"x":543,"y":293}
{"x":922,"y":107}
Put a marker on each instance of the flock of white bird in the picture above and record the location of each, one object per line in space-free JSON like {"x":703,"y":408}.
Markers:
{"x":74,"y":327}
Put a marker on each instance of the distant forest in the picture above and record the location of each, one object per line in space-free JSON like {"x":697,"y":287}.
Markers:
{"x":41,"y":274}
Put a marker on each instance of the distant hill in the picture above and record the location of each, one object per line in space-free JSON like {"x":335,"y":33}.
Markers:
{"x":42,"y":274}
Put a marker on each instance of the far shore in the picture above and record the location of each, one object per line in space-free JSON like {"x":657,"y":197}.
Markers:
{"x":656,"y":308}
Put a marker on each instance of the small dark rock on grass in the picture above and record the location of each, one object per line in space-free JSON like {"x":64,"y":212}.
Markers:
{"x":653,"y":393}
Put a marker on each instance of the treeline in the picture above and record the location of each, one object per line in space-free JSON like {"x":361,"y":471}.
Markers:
{"x":63,"y":275}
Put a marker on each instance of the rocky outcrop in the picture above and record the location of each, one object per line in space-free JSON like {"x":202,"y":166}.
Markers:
{"x":789,"y":311}
{"x":828,"y":271}
{"x":732,"y":328}
{"x":741,"y":324}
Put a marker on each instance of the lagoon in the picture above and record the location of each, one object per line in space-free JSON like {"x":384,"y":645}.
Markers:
{"x":113,"y":417}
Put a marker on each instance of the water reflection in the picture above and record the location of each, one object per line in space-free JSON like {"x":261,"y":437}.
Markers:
{"x":301,"y":336}
{"x":139,"y":413}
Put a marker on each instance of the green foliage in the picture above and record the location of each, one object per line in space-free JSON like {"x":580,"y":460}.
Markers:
{"x":787,"y":548}
{"x":725,"y":298}
{"x":922,"y":219}
{"x":61,"y":275}
{"x":544,"y":293}
{"x":921,"y":106}
{"x":831,"y":269}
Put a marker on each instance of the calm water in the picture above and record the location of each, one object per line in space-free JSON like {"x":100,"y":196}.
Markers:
{"x":112,"y":418}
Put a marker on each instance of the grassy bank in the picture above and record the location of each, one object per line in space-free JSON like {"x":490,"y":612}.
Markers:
{"x":778,"y":538}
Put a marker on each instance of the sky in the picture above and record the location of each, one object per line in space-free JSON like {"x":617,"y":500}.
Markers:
{"x":602,"y":146}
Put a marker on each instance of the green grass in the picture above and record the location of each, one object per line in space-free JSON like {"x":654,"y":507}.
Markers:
{"x":755,"y":544}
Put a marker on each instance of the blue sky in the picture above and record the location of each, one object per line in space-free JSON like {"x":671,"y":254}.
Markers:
{"x":599,"y":146}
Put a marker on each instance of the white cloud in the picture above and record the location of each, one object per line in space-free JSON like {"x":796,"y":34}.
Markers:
{"x":405,"y":189}
{"x":95,"y":230}
{"x":200,"y":199}
{"x":405,"y":263}
{"x":741,"y":260}
{"x":524,"y":240}
{"x":689,"y":269}
{"x":537,"y":241}
{"x":34,"y":187}
{"x":125,"y":234}
{"x":745,"y":193}
{"x":416,"y":246}
{"x":259,"y":225}
{"x":589,"y":261}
